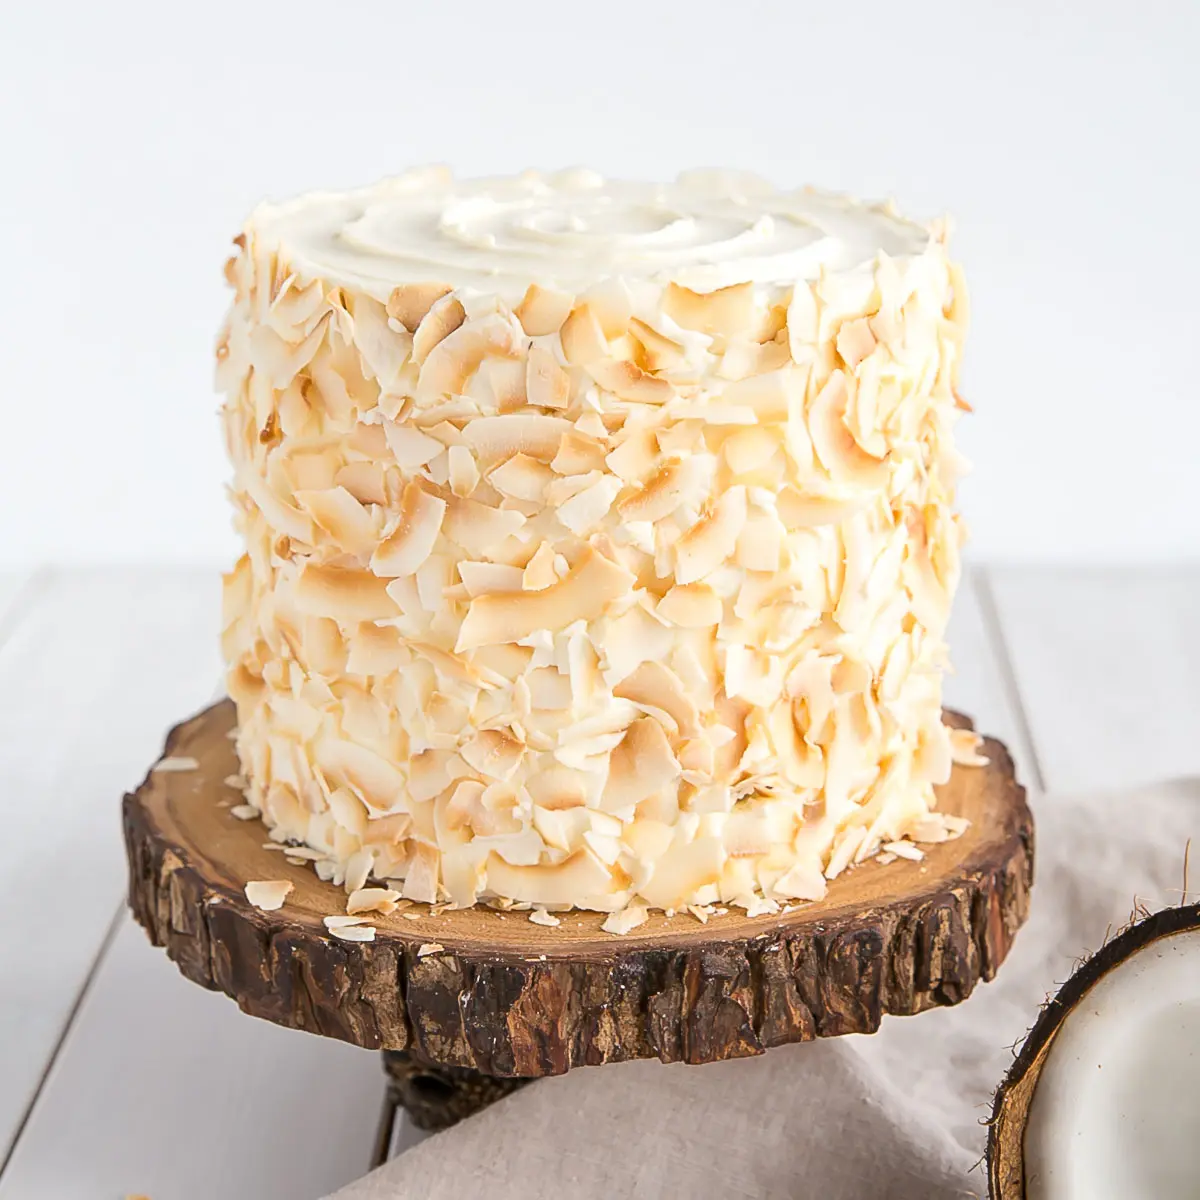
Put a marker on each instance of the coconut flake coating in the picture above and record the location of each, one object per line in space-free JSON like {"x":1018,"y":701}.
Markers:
{"x":622,"y":594}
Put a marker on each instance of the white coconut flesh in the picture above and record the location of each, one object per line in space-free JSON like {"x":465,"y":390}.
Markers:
{"x":1116,"y":1111}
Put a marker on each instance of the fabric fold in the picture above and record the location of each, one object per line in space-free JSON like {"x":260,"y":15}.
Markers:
{"x":899,"y":1115}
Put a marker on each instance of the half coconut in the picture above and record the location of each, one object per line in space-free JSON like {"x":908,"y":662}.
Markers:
{"x":1103,"y":1100}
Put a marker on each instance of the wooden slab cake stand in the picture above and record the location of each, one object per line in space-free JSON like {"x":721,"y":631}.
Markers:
{"x":467,"y":1005}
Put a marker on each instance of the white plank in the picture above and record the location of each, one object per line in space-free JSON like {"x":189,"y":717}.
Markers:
{"x":980,"y":682}
{"x":165,"y":1089}
{"x":1108,"y":666}
{"x":96,"y":668}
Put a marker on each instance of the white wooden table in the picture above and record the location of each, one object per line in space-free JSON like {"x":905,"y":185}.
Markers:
{"x":117,"y":1076}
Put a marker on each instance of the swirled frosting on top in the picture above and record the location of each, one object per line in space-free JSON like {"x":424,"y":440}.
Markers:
{"x":707,"y":230}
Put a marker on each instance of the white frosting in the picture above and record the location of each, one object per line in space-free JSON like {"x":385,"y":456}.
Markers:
{"x":707,"y":230}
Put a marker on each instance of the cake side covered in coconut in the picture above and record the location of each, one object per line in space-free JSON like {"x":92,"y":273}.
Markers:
{"x":600,"y":537}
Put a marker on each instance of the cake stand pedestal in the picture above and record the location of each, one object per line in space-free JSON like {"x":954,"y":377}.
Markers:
{"x":469,"y":1004}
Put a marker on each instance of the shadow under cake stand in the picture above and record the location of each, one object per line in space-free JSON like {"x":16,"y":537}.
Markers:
{"x":468,"y":1005}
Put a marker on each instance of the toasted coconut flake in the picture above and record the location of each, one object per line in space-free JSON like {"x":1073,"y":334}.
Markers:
{"x":348,"y":811}
{"x":844,"y":849}
{"x":593,"y":584}
{"x":579,"y":877}
{"x":348,"y":596}
{"x":421,"y":878}
{"x":758,"y":906}
{"x":845,"y":460}
{"x":626,"y":919}
{"x":505,"y":379}
{"x":578,"y":454}
{"x":245,"y":812}
{"x":660,"y":352}
{"x":374,"y":650}
{"x":339,"y":921}
{"x":804,"y":881}
{"x":691,"y":606}
{"x":441,"y":319}
{"x":562,"y":828}
{"x":584,"y":510}
{"x":428,"y":948}
{"x":494,"y":753}
{"x":409,"y":446}
{"x":612,"y":303}
{"x":304,"y":853}
{"x":451,"y":363}
{"x":354,"y":933}
{"x":636,"y":457}
{"x":540,"y":916}
{"x":773,"y":396}
{"x":337,"y":512}
{"x":363,"y":771}
{"x":478,"y":528}
{"x":411,"y":538}
{"x":462,"y":472}
{"x":372,"y":899}
{"x":237,"y":591}
{"x":540,"y":571}
{"x":658,"y":687}
{"x":806,"y":511}
{"x":522,"y":478}
{"x":964,"y":748}
{"x":745,"y":358}
{"x":495,"y":439}
{"x":855,"y":341}
{"x":648,"y":839}
{"x":929,"y":593}
{"x":802,"y":322}
{"x":641,"y":765}
{"x":547,"y":385}
{"x":175,"y":763}
{"x":384,"y":350}
{"x":713,"y":539}
{"x":662,"y":494}
{"x":760,"y":544}
{"x":904,"y":850}
{"x":358,"y":870}
{"x":557,"y":788}
{"x":582,"y":338}
{"x":749,"y":450}
{"x":931,"y":829}
{"x":683,"y":871}
{"x":482,"y":578}
{"x":630,"y":382}
{"x":543,"y":310}
{"x":410,"y":303}
{"x":364,"y":481}
{"x":268,"y":894}
{"x":728,"y":311}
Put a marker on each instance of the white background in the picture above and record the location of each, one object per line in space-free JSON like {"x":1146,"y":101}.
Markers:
{"x":1063,"y":137}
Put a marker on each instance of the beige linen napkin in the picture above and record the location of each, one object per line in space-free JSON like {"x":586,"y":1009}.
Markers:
{"x":895,"y":1115}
